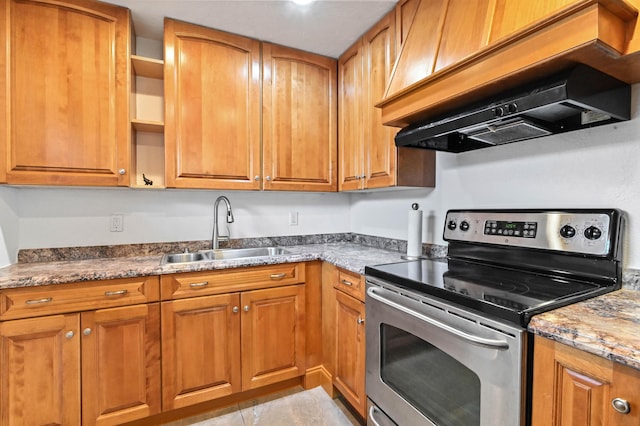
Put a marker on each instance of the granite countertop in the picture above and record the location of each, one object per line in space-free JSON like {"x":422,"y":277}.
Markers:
{"x":607,"y":326}
{"x":351,"y":256}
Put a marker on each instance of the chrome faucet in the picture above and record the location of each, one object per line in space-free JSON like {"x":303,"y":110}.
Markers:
{"x":215,"y":240}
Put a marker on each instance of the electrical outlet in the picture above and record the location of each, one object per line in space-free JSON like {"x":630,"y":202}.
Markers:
{"x":293,"y":218}
{"x":116,"y":223}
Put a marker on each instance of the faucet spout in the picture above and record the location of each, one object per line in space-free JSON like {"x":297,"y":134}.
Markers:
{"x":216,"y":238}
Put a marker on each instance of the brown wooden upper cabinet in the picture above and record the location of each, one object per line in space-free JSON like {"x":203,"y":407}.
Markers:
{"x":299,"y":135}
{"x":368,"y":155}
{"x":212,"y":108}
{"x":64,"y":90}
{"x":213,"y":114}
{"x":457,"y":52}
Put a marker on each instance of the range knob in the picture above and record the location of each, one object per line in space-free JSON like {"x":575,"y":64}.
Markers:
{"x":452,"y":225}
{"x":567,"y":231}
{"x":464,"y":225}
{"x":592,"y":233}
{"x":499,"y":111}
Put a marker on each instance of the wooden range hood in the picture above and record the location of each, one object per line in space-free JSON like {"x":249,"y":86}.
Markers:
{"x":459,"y":52}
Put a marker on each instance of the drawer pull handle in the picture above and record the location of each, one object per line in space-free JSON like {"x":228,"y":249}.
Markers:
{"x":278,"y":276}
{"x":36,"y":301}
{"x":115,"y":293}
{"x":197,"y":285}
{"x":345,"y":282}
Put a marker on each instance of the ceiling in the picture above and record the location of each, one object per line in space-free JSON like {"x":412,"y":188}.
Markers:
{"x":327,"y":27}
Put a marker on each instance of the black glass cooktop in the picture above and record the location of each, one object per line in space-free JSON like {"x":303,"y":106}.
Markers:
{"x":513,"y":295}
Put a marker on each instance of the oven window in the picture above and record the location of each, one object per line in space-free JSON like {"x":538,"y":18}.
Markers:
{"x":441,"y":388}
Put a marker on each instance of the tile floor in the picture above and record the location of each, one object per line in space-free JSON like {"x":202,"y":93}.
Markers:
{"x":293,"y":407}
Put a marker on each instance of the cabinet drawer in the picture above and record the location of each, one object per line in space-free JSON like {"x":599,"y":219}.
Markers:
{"x":179,"y":286}
{"x":350,"y":283}
{"x":74,"y":297}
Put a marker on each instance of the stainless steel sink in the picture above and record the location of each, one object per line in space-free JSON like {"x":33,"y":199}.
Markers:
{"x":222,"y":254}
{"x":183,"y":257}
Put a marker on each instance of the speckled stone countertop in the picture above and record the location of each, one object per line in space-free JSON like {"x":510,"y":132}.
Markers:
{"x":351,"y":256}
{"x":608,"y":326}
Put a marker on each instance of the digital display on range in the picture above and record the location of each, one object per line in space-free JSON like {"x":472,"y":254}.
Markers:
{"x":512,"y":229}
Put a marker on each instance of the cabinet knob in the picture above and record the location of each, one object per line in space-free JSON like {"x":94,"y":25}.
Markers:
{"x":86,"y":331}
{"x":360,"y":321}
{"x":256,"y":178}
{"x":621,"y":405}
{"x":122,"y":171}
{"x":235,"y":309}
{"x":268,"y":178}
{"x":246,"y":308}
{"x":69,"y":334}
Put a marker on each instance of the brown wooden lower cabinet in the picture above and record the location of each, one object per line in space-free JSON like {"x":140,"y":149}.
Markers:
{"x":572,"y":387}
{"x":40,"y":371}
{"x":213,"y":346}
{"x":116,"y":349}
{"x":200,"y":349}
{"x":349,"y":364}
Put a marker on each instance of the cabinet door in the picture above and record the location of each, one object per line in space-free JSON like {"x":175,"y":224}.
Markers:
{"x":200,"y":349}
{"x":273,"y":335}
{"x":350,"y":120}
{"x":299,"y":104}
{"x":212,"y":108}
{"x":572,"y":387}
{"x":350,"y":351}
{"x":64,"y":104}
{"x":40,"y":371}
{"x":379,"y":145}
{"x":120,"y":364}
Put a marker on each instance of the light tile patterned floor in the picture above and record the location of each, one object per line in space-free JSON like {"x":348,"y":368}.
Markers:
{"x":296,"y":408}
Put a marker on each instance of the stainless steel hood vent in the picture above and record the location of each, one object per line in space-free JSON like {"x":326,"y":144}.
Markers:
{"x":575,"y":99}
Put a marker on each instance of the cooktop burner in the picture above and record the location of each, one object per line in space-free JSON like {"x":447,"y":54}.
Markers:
{"x":518,"y":263}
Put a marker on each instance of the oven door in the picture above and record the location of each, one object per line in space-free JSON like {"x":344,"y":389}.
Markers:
{"x":430,"y":363}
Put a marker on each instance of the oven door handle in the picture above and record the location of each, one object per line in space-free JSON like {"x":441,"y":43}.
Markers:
{"x":476,"y":340}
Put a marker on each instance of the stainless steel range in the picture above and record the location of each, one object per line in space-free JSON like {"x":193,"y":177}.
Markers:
{"x":447,"y":341}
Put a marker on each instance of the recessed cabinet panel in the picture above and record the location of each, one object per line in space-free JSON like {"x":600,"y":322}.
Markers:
{"x":39,"y":371}
{"x":200,"y":349}
{"x":350,"y":122}
{"x":349,"y":377}
{"x":273,"y":335}
{"x":299,"y":120}
{"x":120,"y":364}
{"x":67,"y":115}
{"x":380,"y":148}
{"x":212,"y":112}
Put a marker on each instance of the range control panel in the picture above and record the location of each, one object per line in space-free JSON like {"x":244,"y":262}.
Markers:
{"x":579,"y":231}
